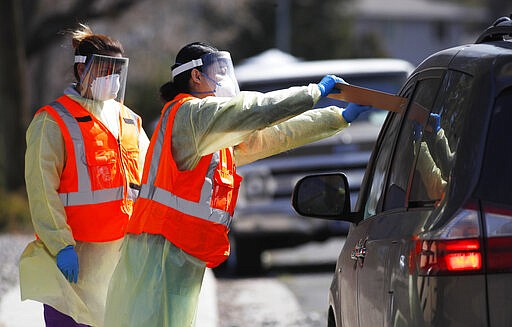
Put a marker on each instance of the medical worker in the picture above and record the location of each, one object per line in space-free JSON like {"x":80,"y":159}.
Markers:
{"x":84,"y":159}
{"x":189,"y":189}
{"x":435,"y":158}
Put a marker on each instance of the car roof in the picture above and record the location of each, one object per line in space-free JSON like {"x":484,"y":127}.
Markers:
{"x":468,"y":56}
{"x":478,"y":60}
{"x":314,"y":69}
{"x":489,"y":63}
{"x":491,"y":51}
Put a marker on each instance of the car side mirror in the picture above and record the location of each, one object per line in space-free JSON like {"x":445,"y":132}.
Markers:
{"x":324,"y":196}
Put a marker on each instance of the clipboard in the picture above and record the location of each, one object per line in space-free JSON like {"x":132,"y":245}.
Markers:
{"x":368,"y":97}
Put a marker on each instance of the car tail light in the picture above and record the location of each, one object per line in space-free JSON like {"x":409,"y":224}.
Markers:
{"x":455,"y":248}
{"x":498,"y":225}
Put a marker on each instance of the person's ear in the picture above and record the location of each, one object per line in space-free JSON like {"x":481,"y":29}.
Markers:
{"x":195,"y":76}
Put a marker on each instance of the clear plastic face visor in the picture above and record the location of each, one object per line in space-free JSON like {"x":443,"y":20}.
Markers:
{"x":217,"y":67}
{"x":104,"y":77}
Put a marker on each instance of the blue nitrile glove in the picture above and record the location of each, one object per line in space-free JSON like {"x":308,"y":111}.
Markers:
{"x":352,"y":111}
{"x":417,"y":131}
{"x":327,"y":84}
{"x":435,"y":122}
{"x":67,"y":261}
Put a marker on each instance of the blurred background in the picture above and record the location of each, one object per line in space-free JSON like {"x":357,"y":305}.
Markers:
{"x":36,"y":56}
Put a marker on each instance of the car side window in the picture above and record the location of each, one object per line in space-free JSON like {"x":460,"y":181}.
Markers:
{"x":378,"y":176}
{"x":439,"y":141}
{"x":408,"y":143}
{"x":382,"y":159}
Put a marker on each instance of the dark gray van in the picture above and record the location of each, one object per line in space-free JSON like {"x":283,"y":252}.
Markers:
{"x":430,"y":241}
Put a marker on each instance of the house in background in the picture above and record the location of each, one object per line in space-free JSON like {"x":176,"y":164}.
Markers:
{"x":413,"y":29}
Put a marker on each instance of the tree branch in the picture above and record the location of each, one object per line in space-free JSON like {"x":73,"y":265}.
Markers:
{"x":46,"y":32}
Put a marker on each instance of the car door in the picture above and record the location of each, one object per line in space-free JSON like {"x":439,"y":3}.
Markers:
{"x":351,"y":255}
{"x":389,"y":222}
{"x":384,"y":234}
{"x":389,"y":294}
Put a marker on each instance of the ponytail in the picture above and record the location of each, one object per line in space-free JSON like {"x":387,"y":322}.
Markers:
{"x":86,"y":44}
{"x":169,"y":91}
{"x":80,"y":34}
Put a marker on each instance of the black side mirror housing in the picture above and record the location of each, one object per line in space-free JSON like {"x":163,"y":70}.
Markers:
{"x":324,"y":196}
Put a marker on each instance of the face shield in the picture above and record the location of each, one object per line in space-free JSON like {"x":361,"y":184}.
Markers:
{"x":218,"y":69}
{"x":104,"y":78}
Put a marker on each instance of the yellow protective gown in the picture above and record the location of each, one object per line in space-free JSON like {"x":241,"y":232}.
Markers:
{"x":434,"y":163}
{"x":156,"y":283}
{"x":40,"y":278}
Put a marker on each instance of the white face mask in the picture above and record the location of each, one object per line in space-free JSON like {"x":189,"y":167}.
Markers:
{"x":225,"y":88}
{"x":106,"y":87}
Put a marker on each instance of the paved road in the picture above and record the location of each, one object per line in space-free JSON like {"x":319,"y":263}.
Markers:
{"x":276,"y":302}
{"x":293,"y":292}
{"x":11,"y":247}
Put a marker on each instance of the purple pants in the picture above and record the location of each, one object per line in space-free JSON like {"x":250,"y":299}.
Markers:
{"x":54,"y":318}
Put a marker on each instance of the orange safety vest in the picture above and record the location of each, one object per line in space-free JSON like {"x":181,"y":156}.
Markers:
{"x":100,"y":180}
{"x":192,"y":209}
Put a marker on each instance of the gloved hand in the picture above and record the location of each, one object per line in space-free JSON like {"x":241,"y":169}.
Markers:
{"x":327,"y":84}
{"x":67,"y":261}
{"x":352,"y":111}
{"x":434,"y":122}
{"x":417,"y":131}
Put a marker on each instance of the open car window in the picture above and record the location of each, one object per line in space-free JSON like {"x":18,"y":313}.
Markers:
{"x":408,"y":143}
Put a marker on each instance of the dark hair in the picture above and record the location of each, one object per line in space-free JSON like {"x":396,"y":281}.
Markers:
{"x":180,"y":84}
{"x":86,"y":43}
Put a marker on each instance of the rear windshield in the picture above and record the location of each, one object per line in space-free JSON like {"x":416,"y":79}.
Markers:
{"x":496,"y":177}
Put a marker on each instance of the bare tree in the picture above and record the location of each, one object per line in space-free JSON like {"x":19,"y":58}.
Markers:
{"x":25,"y":33}
{"x":13,"y":98}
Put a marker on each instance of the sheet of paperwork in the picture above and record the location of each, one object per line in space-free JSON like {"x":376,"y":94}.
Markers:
{"x":368,"y":97}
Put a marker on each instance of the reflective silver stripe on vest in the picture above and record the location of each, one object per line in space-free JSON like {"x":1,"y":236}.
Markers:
{"x":199,"y":209}
{"x":133,"y":193}
{"x":88,"y":197}
{"x":84,"y":195}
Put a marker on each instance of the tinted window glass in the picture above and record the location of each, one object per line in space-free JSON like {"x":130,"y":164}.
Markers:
{"x":409,"y":141}
{"x":496,"y":177}
{"x":439,"y":141}
{"x":375,"y":193}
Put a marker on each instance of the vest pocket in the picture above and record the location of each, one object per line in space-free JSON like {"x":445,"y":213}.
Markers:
{"x":103,"y":169}
{"x":225,"y":191}
{"x":131,"y":163}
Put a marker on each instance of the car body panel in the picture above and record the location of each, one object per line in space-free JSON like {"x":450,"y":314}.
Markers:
{"x":500,"y":299}
{"x":344,"y":289}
